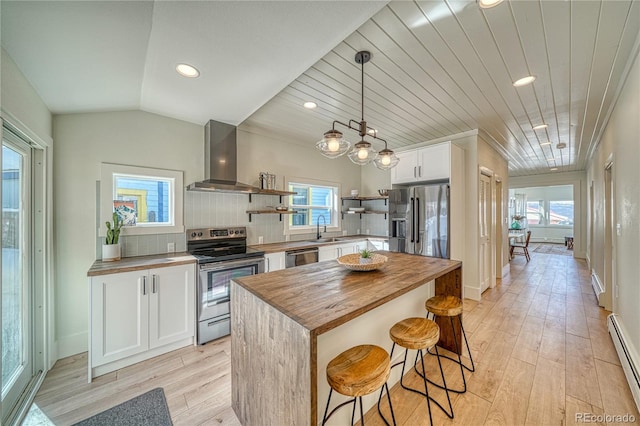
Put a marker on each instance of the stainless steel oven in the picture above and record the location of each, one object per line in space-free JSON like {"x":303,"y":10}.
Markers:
{"x":222,"y":256}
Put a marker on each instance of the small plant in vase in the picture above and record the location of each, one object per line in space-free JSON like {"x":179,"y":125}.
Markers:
{"x":111,"y":247}
{"x":366,"y":256}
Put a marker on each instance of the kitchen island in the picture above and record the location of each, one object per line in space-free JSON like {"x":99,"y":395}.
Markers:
{"x":287,"y":325}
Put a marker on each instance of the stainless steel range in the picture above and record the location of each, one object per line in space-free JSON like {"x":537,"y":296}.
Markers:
{"x":222,"y":255}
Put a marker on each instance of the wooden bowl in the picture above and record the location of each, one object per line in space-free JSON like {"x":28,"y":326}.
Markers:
{"x":352,"y":261}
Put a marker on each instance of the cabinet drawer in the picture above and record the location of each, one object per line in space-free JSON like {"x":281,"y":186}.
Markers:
{"x":213,"y":329}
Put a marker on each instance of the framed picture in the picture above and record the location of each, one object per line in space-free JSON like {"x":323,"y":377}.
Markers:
{"x":126,"y":210}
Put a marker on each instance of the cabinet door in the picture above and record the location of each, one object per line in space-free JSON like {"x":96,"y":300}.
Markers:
{"x":358,"y":247}
{"x":171,"y":304}
{"x":434,"y":162}
{"x":344,"y":249}
{"x":119,"y":316}
{"x":406,"y":170}
{"x":327,"y":253}
{"x":274,"y":261}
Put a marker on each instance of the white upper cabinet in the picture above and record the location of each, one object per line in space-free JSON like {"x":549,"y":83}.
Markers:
{"x":423,"y":164}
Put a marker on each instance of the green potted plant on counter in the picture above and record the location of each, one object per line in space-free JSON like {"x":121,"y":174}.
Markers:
{"x":111,"y":247}
{"x":366,"y":256}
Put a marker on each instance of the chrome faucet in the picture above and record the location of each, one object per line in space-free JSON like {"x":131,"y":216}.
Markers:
{"x":324,"y":220}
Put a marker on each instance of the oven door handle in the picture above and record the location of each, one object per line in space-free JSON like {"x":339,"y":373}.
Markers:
{"x":218,"y":301}
{"x":215,"y":266}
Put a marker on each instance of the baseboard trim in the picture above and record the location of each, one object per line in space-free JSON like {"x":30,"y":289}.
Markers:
{"x":73,"y":344}
{"x":472,"y":293}
{"x":506,"y":269}
{"x":596,"y":284}
{"x":627,"y":354}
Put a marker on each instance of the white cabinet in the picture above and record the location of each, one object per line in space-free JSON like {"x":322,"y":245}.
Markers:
{"x":327,"y":253}
{"x":140,"y":314}
{"x":377,"y":245}
{"x":334,"y":251}
{"x":423,"y":164}
{"x":274,"y":261}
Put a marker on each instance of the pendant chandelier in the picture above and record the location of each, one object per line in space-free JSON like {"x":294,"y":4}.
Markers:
{"x":333,"y":145}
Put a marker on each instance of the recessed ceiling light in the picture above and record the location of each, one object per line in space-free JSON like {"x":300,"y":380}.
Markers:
{"x":524,"y":81}
{"x":553,"y":169}
{"x":187,"y":70}
{"x":486,"y":4}
{"x":545,"y":143}
{"x":540,"y":126}
{"x":561,"y":145}
{"x":310,"y":105}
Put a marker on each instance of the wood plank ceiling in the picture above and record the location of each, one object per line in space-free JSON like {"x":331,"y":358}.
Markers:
{"x":444,"y":67}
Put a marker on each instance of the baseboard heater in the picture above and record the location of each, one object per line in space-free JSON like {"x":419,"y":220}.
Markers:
{"x":629,"y":365}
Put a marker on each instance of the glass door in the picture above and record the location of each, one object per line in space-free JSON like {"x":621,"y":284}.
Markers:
{"x":17,"y":355}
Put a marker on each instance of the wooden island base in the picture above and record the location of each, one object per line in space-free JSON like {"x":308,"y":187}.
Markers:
{"x":287,"y":325}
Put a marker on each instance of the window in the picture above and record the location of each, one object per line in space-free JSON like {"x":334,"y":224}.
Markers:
{"x":314,"y":203}
{"x":535,"y":212}
{"x":561,"y":213}
{"x":148,"y":200}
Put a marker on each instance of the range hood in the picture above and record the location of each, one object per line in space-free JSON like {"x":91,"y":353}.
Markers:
{"x":221,"y":161}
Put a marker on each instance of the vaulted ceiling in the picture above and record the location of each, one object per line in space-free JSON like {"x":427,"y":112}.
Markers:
{"x":437,"y":68}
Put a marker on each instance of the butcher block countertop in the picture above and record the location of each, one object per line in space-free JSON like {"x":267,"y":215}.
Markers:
{"x":138,"y":263}
{"x":325,"y":295}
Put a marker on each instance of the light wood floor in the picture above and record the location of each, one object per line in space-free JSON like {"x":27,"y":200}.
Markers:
{"x":539,"y":341}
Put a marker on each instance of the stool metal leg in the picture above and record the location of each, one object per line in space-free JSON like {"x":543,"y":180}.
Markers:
{"x":393,"y":416}
{"x":353,"y":413}
{"x":420,"y":354}
{"x":459,"y":360}
{"x":361,"y":413}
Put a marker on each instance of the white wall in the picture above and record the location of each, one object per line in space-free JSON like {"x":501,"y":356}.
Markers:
{"x":620,"y":138}
{"x":83,"y":142}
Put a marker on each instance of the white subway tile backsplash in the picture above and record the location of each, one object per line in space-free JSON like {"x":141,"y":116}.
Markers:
{"x":204,"y":209}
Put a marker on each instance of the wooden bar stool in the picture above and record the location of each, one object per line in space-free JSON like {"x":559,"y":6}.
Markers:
{"x":356,"y":372}
{"x":418,"y":334}
{"x":450,"y":306}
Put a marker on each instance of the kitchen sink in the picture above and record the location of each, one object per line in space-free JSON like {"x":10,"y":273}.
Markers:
{"x":326,"y":240}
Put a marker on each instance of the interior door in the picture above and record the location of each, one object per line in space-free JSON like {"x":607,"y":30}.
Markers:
{"x":17,"y":315}
{"x":484,"y":253}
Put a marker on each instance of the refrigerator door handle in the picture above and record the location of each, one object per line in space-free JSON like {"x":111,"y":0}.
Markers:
{"x":416,"y":222}
{"x":413,"y":219}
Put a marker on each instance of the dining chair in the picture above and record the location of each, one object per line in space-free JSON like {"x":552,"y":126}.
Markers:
{"x":524,"y":247}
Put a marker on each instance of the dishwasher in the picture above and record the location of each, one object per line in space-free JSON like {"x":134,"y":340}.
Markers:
{"x":301,"y":257}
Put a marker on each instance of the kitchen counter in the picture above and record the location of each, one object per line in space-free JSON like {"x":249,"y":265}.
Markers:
{"x":138,"y":263}
{"x":292,"y":245}
{"x":280,"y":320}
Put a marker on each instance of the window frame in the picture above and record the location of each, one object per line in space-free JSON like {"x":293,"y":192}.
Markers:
{"x":108,"y":173}
{"x":336,"y":217}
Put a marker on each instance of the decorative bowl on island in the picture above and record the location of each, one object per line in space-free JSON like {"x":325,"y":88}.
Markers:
{"x":352,"y":261}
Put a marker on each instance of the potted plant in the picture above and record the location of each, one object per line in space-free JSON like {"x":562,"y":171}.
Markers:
{"x":366,"y":256}
{"x":111,"y":247}
{"x":517,"y":221}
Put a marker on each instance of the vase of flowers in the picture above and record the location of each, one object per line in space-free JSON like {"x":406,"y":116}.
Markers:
{"x":517,"y":221}
{"x":111,"y":248}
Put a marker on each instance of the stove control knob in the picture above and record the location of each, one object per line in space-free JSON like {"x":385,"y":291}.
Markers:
{"x":241,"y":231}
{"x":236,"y":232}
{"x":193,"y":235}
{"x":199,"y":234}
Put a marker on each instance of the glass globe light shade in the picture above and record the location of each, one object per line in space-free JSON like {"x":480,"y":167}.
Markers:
{"x":362,"y":153}
{"x":333,"y":145}
{"x":386,"y":159}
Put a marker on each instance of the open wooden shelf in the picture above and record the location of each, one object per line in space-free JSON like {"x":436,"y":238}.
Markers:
{"x":272,"y":192}
{"x":252,"y":212}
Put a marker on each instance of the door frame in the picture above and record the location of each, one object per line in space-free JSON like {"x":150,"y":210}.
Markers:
{"x":491,"y":232}
{"x":43,"y":297}
{"x":608,"y":297}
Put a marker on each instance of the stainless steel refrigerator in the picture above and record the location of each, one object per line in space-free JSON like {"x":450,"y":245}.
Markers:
{"x":419,"y":220}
